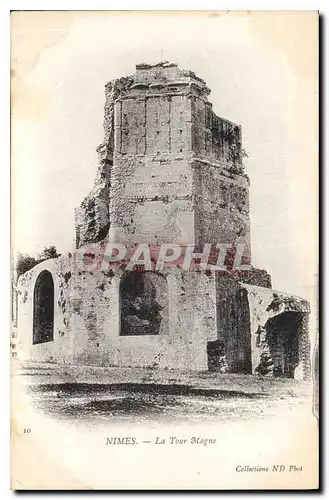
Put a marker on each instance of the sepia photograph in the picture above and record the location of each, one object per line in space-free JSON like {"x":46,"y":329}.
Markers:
{"x":164,"y":250}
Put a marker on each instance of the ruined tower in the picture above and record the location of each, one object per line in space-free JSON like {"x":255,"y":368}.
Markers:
{"x":170,"y":171}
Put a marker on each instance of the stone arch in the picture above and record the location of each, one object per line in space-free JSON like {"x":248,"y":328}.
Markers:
{"x":143,"y":303}
{"x":43,"y":308}
{"x":285,"y":345}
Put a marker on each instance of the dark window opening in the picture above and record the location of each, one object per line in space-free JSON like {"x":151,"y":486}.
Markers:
{"x":43,"y":312}
{"x":143,"y":303}
{"x":282,"y":336}
{"x":216,"y":356}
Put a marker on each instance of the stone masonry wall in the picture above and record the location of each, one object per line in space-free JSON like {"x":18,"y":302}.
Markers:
{"x":170,"y":169}
{"x":61,"y":348}
{"x":221,"y":207}
{"x":151,"y":187}
{"x":87,"y":319}
{"x":265,"y":304}
{"x":92,"y":220}
{"x":233,"y":316}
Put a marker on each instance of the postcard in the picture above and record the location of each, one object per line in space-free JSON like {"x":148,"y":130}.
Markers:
{"x":164,"y":236}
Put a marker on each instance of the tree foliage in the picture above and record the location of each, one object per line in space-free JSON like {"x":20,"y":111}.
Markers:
{"x":49,"y":253}
{"x":26,"y":262}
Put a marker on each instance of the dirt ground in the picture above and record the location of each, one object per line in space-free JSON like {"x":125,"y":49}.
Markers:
{"x":83,"y":393}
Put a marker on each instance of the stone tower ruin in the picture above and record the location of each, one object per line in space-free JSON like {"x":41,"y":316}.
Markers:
{"x":169,"y":171}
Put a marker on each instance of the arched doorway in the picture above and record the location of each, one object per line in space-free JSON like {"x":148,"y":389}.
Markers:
{"x":283,"y":337}
{"x":43,"y":308}
{"x":143,"y":303}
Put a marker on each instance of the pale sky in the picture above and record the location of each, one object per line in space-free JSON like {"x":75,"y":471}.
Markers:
{"x":262,"y":70}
